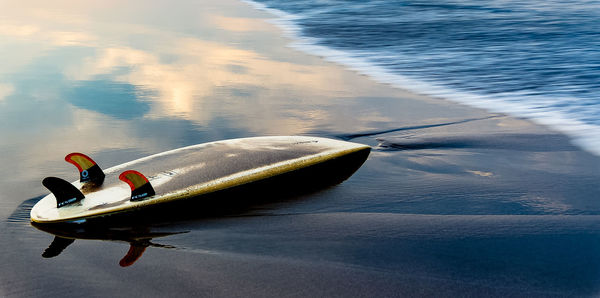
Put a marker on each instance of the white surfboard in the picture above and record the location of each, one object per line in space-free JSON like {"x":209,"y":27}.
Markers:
{"x":190,"y":172}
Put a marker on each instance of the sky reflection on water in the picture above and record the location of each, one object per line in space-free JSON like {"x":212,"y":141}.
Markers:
{"x":105,"y":77}
{"x":91,"y":78}
{"x":119,"y":81}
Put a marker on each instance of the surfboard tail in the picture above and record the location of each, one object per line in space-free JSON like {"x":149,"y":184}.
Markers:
{"x":64,"y":192}
{"x":89,"y":171}
{"x":140,"y":186}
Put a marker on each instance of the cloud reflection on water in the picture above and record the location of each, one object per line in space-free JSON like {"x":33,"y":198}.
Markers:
{"x":202,"y":69}
{"x":206,"y":73}
{"x":77,"y":74}
{"x":5,"y":90}
{"x":91,"y":79}
{"x":184,"y":71}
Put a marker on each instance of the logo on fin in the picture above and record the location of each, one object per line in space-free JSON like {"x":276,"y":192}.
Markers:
{"x":64,"y":191}
{"x":89,"y":171}
{"x":140,"y":186}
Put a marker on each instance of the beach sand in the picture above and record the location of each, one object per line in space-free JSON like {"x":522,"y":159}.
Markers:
{"x":452,"y":201}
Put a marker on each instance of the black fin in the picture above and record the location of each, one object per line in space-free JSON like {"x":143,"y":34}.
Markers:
{"x":64,"y":191}
{"x":57,"y":246}
{"x":94,"y":175}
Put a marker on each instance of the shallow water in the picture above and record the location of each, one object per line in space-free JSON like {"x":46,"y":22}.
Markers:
{"x":452,"y":200}
{"x":532,"y":59}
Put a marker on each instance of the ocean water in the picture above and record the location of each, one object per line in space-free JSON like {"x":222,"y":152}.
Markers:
{"x":538,"y":60}
{"x":452,"y":201}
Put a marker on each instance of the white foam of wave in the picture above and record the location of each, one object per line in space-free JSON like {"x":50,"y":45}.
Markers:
{"x":584,"y":135}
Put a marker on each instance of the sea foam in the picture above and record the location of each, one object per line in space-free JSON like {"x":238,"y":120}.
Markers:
{"x":554,"y":112}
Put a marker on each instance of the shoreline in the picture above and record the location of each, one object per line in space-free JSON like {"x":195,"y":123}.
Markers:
{"x":260,"y":86}
{"x":580,"y":134}
{"x":451,"y":200}
{"x":529,"y":168}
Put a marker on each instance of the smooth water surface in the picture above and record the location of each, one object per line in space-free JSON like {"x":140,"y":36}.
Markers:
{"x":452,"y":200}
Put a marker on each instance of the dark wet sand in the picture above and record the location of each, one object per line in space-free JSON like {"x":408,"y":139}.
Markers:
{"x":453,"y":201}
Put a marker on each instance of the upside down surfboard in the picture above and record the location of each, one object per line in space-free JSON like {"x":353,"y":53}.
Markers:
{"x":192,"y":172}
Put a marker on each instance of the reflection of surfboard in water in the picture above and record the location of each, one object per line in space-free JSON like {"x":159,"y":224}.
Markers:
{"x":195,"y":171}
{"x":139,"y":238}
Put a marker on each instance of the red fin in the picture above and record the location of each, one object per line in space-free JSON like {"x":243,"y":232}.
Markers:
{"x":80,"y":160}
{"x":89,"y":171}
{"x":140,"y":186}
{"x":134,"y":253}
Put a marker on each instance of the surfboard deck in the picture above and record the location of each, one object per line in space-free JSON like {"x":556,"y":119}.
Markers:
{"x":198,"y":170}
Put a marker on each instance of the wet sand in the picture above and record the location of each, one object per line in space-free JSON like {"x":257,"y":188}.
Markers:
{"x":452,"y":200}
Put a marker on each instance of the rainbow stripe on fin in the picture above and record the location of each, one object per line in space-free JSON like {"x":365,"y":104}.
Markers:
{"x":89,"y":171}
{"x":140,"y":186}
{"x":64,"y":191}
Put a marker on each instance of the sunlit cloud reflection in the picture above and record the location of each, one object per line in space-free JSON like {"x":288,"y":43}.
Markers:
{"x":239,"y":24}
{"x":215,"y":72}
{"x":5,"y":90}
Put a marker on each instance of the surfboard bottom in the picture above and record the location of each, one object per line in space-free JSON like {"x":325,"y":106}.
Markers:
{"x":241,"y":198}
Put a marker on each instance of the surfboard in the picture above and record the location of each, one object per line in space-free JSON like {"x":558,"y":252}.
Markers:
{"x":193,"y":172}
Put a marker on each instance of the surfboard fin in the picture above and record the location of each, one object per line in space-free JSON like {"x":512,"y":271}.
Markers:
{"x":140,"y":186}
{"x":89,"y":171}
{"x":64,"y":191}
{"x":136,"y":249}
{"x":57,"y":246}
